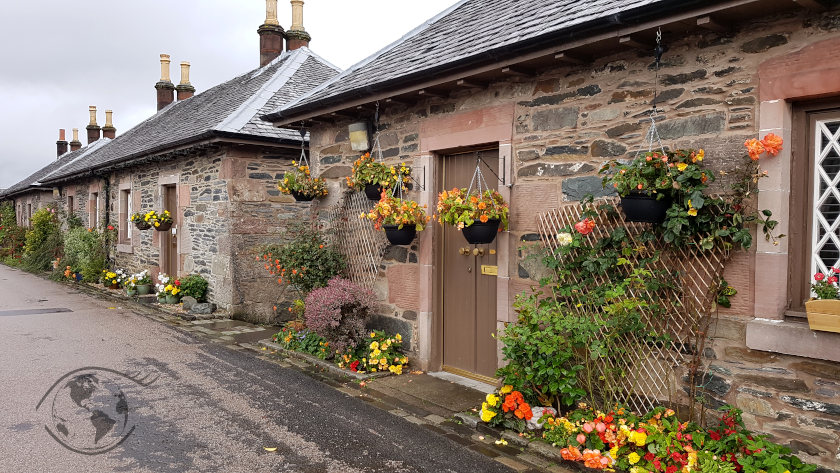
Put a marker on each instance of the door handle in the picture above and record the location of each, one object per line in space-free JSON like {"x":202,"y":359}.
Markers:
{"x":478,"y":252}
{"x":464,"y":251}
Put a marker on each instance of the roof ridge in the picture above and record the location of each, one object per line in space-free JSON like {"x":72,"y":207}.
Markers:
{"x":417,"y":30}
{"x":84,"y":152}
{"x":251,"y":106}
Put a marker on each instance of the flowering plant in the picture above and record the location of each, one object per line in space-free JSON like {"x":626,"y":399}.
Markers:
{"x":506,"y":408}
{"x":163,"y":282}
{"x":305,"y":262}
{"x":143,"y":277}
{"x":379,"y":352}
{"x":295,"y":336}
{"x":156,"y":219}
{"x":457,"y":208}
{"x":655,"y":173}
{"x":826,"y":287}
{"x":367,"y":171}
{"x":298,"y":181}
{"x":339,"y":312}
{"x":391,"y":210}
{"x":109,"y":278}
{"x":138,"y":217}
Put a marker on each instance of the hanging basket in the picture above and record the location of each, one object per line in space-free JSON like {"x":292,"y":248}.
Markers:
{"x":400,"y":236}
{"x":644,"y":208}
{"x":142,"y":225}
{"x":373,"y":192}
{"x":482,"y":233}
{"x":302,"y":197}
{"x":164,"y":226}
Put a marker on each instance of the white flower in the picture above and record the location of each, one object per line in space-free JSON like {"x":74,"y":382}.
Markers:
{"x":564,"y":238}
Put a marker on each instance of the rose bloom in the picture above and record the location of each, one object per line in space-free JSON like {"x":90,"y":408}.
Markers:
{"x":819,"y":276}
{"x":772,"y":144}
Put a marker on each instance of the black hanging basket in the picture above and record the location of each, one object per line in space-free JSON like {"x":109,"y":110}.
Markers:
{"x":164,"y":227}
{"x":302,"y":197}
{"x":644,"y":208}
{"x":400,"y":236}
{"x":482,"y":233}
{"x":142,"y":225}
{"x":373,"y":192}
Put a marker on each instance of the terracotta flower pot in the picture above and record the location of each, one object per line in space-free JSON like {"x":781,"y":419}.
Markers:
{"x":644,"y":208}
{"x":113,"y":286}
{"x":482,"y":233}
{"x":824,"y":315}
{"x":373,"y":191}
{"x":400,"y":236}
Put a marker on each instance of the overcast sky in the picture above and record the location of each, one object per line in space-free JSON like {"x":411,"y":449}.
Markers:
{"x":59,"y":57}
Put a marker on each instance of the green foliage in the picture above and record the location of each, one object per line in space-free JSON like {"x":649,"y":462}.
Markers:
{"x":194,"y":286}
{"x":84,"y":252}
{"x":295,"y":336}
{"x":12,"y":237}
{"x":825,"y":287}
{"x":305,"y":262}
{"x":367,"y":171}
{"x":724,"y":292}
{"x":43,"y":240}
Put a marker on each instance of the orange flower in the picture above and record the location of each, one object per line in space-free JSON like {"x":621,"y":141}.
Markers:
{"x":483,"y":218}
{"x":754,"y":148}
{"x":571,"y":453}
{"x":482,"y":205}
{"x":772,"y":143}
{"x":474,"y":199}
{"x":592,"y":459}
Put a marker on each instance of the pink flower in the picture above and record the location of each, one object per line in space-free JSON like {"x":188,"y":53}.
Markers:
{"x":588,"y":427}
{"x":832,"y":279}
{"x":833,"y":269}
{"x":581,"y":439}
{"x":585,"y":226}
{"x":600,"y":427}
{"x":818,"y":276}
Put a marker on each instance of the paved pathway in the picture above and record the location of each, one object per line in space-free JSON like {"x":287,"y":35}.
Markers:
{"x":210,"y":409}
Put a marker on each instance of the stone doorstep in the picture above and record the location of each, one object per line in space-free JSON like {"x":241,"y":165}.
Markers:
{"x":321,"y":363}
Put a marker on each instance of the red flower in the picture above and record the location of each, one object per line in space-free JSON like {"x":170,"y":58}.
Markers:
{"x":832,"y":279}
{"x":177,"y":282}
{"x":833,"y":269}
{"x":819,"y":276}
{"x":649,"y":456}
{"x":110,"y":227}
{"x":585,"y":226}
{"x":671,"y":469}
{"x":354,"y":366}
{"x":714,"y":435}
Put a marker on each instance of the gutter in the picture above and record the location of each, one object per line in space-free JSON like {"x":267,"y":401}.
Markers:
{"x":551,"y":40}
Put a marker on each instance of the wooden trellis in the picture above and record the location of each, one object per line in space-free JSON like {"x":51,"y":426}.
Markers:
{"x":657,"y":368}
{"x":356,"y":238}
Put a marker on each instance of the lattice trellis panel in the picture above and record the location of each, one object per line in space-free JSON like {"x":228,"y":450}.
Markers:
{"x":825,"y":242}
{"x":361,"y":244}
{"x":654,"y":372}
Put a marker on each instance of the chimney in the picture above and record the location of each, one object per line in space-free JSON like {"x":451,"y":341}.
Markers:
{"x":93,"y":130}
{"x":75,"y":144}
{"x":185,"y":89}
{"x":297,"y":37}
{"x":108,"y":131}
{"x":165,"y":88}
{"x":61,"y":144}
{"x":271,"y":34}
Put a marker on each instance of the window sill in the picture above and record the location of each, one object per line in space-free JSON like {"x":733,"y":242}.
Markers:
{"x":792,"y":338}
{"x":125,"y":248}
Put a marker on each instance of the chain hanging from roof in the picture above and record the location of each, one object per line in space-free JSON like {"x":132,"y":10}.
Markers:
{"x":652,"y":137}
{"x":376,"y":148}
{"x":304,"y":161}
{"x":478,"y":180}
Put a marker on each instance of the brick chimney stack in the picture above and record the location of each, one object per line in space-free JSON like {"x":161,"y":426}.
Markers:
{"x":75,"y":144}
{"x":165,"y":88}
{"x":297,"y":36}
{"x":109,"y":131}
{"x":271,"y":34}
{"x":61,"y":144}
{"x":185,"y":89}
{"x":93,"y":130}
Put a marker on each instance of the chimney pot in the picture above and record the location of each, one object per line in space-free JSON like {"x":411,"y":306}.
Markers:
{"x":75,"y":144}
{"x":165,"y":88}
{"x":297,"y":37}
{"x":93,"y":130}
{"x":109,"y":131}
{"x":61,"y":144}
{"x":271,"y":34}
{"x":185,"y":89}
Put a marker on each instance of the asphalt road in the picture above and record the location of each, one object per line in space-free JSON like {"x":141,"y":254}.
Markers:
{"x":210,"y":409}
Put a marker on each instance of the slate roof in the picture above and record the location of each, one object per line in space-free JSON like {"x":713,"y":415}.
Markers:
{"x":231,"y":108}
{"x":471,"y":28}
{"x":34,"y":180}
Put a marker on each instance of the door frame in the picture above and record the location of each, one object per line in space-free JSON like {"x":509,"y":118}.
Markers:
{"x":172,"y":180}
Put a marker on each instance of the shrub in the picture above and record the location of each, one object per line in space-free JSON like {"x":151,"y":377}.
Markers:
{"x":12,"y":237}
{"x":194,"y":286}
{"x":84,"y":251}
{"x":338,"y":312}
{"x":305,"y":262}
{"x":43,"y":241}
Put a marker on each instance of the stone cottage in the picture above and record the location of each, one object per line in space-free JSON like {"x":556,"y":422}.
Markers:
{"x":212,"y":162}
{"x":545,"y":93}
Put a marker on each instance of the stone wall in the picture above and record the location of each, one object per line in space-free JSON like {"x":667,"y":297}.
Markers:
{"x":569,"y":121}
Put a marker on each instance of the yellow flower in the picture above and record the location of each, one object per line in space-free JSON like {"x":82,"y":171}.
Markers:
{"x":506,"y":389}
{"x":376,"y":352}
{"x":692,"y":212}
{"x":398,"y":337}
{"x":633,"y":458}
{"x":682,"y":166}
{"x":614,"y":452}
{"x":374,"y":361}
{"x":492,"y":399}
{"x":486,"y":414}
{"x":374,"y":345}
{"x":700,"y":155}
{"x":372,"y":334}
{"x":640,"y":438}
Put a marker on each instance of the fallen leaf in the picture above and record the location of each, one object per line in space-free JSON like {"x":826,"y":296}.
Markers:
{"x":111,"y":308}
{"x":270,"y":449}
{"x":480,"y":437}
{"x":501,"y":442}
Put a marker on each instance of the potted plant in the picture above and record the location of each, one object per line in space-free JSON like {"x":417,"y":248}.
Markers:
{"x":646,"y":183}
{"x":372,"y":177}
{"x":479,"y":216}
{"x":144,"y":282}
{"x":300,"y":185}
{"x":130,"y":286}
{"x":162,"y":221}
{"x":110,"y":279}
{"x":824,"y":311}
{"x":139,"y":220}
{"x":160,"y":292}
{"x":401,"y":219}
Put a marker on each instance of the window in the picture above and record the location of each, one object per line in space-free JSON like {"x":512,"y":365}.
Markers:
{"x":71,"y":209}
{"x":28,"y":213}
{"x":124,"y":215}
{"x":93,"y":220}
{"x":814,"y":240}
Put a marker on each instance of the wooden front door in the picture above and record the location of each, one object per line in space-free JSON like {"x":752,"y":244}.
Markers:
{"x":468,"y":296}
{"x":168,"y":239}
